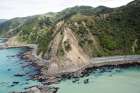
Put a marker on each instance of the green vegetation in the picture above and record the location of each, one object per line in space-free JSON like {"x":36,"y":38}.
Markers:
{"x":100,"y":31}
{"x":67,"y":46}
{"x":61,"y":52}
{"x":43,"y":41}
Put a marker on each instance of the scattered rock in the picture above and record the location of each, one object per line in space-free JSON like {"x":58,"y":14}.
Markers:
{"x":9,"y":69}
{"x":15,"y":82}
{"x":19,"y":75}
{"x":86,"y":81}
{"x":12,"y":85}
{"x":75,"y":80}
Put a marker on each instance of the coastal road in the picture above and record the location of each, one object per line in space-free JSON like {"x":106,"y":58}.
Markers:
{"x":114,"y":59}
{"x":110,"y":60}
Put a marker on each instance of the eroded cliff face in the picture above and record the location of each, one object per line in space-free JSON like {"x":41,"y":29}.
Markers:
{"x":65,"y":54}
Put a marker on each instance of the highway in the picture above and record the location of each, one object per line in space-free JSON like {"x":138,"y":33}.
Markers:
{"x":111,"y":59}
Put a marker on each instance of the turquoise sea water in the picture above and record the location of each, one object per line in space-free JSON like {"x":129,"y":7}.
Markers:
{"x":114,"y":81}
{"x":11,"y":64}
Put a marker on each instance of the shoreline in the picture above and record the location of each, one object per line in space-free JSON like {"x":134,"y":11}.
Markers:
{"x":38,"y":62}
{"x":81,"y":72}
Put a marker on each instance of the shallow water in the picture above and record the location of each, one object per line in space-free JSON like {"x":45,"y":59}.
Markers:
{"x":115,"y":81}
{"x":11,"y":64}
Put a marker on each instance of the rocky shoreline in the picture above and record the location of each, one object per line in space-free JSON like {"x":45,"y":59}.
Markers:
{"x":41,"y":76}
{"x":46,"y":80}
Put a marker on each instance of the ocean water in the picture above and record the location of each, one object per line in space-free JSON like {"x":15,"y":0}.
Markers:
{"x":115,"y":81}
{"x":11,"y":64}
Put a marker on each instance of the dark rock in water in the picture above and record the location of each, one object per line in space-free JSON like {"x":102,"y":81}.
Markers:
{"x":19,"y":75}
{"x":13,"y":56}
{"x":66,"y":76}
{"x":9,"y":69}
{"x":12,"y":85}
{"x":102,"y":70}
{"x":41,"y":80}
{"x":86,"y":81}
{"x":15,"y":82}
{"x":56,"y":89}
{"x":75,"y":80}
{"x":87,"y":74}
{"x":26,"y":83}
{"x":53,"y":89}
